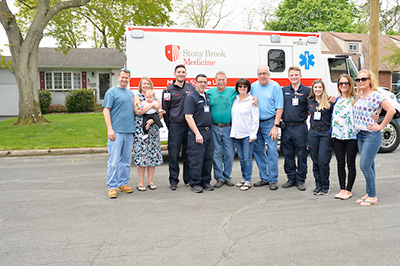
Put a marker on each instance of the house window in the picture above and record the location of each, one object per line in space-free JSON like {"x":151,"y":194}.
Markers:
{"x":353,"y":47}
{"x":396,"y":82}
{"x":63,"y":80}
{"x":276,"y":60}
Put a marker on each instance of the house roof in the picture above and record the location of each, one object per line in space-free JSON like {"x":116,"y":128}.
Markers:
{"x":81,"y":57}
{"x":384,"y":40}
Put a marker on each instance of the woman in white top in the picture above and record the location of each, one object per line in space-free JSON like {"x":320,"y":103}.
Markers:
{"x":245,"y":122}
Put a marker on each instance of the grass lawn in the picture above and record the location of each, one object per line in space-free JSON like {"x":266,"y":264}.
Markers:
{"x":64,"y":131}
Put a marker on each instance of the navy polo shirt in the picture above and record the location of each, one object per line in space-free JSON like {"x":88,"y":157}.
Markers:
{"x":292,"y":113}
{"x":194,"y":105}
{"x":326,"y":114}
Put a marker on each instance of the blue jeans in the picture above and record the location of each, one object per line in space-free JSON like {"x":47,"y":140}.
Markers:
{"x":267,"y":162}
{"x":119,"y":160}
{"x":294,"y":142}
{"x":368,"y":145}
{"x":321,"y":154}
{"x":177,"y":139}
{"x":245,"y":153}
{"x":223,"y":147}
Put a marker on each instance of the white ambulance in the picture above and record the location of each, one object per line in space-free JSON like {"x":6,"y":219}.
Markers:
{"x":154,"y":52}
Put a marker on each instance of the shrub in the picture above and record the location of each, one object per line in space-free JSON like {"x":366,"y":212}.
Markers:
{"x":45,"y":101}
{"x":80,"y":101}
{"x":57,"y":108}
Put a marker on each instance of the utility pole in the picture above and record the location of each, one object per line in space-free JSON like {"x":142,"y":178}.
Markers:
{"x":374,"y":37}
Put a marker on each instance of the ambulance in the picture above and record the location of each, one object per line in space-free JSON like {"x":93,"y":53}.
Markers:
{"x":155,"y":51}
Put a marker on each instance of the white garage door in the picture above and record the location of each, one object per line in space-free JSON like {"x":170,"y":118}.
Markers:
{"x":8,"y":94}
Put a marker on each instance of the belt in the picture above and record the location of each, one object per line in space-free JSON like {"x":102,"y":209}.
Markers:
{"x":264,"y":120}
{"x":204,"y":128}
{"x":223,"y":125}
{"x":320,"y":128}
{"x":295,"y":124}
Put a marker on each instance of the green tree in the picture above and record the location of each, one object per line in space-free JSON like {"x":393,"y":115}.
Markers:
{"x":314,"y":15}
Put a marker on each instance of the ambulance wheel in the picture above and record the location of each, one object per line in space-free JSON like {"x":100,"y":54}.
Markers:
{"x":390,"y":136}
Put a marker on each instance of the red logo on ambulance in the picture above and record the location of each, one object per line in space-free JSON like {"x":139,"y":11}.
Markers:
{"x":172,"y":52}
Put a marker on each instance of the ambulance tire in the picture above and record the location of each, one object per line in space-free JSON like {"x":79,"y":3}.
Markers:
{"x":390,"y":136}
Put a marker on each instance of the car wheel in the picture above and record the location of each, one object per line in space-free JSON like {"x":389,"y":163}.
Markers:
{"x":390,"y":136}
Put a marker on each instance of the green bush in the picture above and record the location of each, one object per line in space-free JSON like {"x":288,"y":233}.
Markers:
{"x":45,"y":101}
{"x":80,"y":101}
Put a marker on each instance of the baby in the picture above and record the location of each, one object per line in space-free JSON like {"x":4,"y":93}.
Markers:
{"x":151,"y":113}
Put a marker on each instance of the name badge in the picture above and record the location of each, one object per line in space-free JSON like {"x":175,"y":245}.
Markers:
{"x":167,"y":96}
{"x":206,"y":109}
{"x":295,"y":101}
{"x":317,"y":116}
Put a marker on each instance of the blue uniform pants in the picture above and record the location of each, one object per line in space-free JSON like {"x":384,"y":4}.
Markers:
{"x":177,"y":140}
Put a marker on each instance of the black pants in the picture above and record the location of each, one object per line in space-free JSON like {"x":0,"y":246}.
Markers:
{"x":177,"y":140}
{"x":147,"y":117}
{"x":346,"y":150}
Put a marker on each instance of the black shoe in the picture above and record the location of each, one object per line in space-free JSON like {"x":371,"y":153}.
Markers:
{"x":261,"y":183}
{"x":317,"y":191}
{"x":301,"y":186}
{"x":197,"y":189}
{"x":229,"y":183}
{"x":324,"y":192}
{"x":208,"y":187}
{"x":219,"y":184}
{"x":273,"y":186}
{"x":173,"y":186}
{"x":288,"y":184}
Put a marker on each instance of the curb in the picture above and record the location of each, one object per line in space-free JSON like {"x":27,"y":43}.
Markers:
{"x":68,"y":151}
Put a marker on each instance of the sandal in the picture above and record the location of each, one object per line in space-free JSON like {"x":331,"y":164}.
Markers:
{"x":246,"y":186}
{"x":141,"y":188}
{"x":360,"y":200}
{"x":240,"y":184}
{"x":367,"y":203}
{"x":152,"y":186}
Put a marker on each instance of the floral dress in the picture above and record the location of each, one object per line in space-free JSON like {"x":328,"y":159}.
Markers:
{"x":342,"y":119}
{"x":146,"y":152}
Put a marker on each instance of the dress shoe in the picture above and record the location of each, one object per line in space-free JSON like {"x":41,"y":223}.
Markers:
{"x":288,"y":184}
{"x":229,"y":183}
{"x":125,"y":189}
{"x":302,"y":186}
{"x":273,"y":186}
{"x":173,"y":187}
{"x":261,"y":183}
{"x":208,"y":187}
{"x":112,"y":193}
{"x":219,"y":184}
{"x":197,"y":189}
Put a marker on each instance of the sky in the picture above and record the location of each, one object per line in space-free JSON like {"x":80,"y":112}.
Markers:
{"x":236,"y":20}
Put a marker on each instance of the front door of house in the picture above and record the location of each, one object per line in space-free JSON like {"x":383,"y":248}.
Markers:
{"x":104,"y":84}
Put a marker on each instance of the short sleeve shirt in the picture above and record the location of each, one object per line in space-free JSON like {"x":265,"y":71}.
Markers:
{"x":322,"y":120}
{"x":196,"y":105}
{"x":270,"y":98}
{"x":343,"y":127}
{"x":363,"y":110}
{"x":221,"y":104}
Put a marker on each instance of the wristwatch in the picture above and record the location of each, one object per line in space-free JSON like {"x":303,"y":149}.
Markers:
{"x":276,"y":125}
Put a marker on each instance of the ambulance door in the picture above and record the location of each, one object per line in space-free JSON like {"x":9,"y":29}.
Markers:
{"x":278,"y":58}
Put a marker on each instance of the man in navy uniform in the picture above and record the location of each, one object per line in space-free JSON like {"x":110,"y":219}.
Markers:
{"x":294,"y":134}
{"x":200,"y":137}
{"x":173,"y":99}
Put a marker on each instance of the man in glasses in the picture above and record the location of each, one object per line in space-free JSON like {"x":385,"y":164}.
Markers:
{"x":120,"y":121}
{"x":173,"y":99}
{"x":200,"y":138}
{"x":294,"y":134}
{"x":270,"y":102}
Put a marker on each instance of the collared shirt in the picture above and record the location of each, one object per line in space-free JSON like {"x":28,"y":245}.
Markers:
{"x":197,"y":105}
{"x":293,"y":113}
{"x":245,"y":119}
{"x":270,"y":98}
{"x":323,"y":119}
{"x":174,"y":107}
{"x":221,"y":104}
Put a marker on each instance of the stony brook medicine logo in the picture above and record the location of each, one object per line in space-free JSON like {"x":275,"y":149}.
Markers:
{"x":172,"y":52}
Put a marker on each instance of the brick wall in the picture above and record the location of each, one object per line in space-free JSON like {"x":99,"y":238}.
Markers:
{"x":385,"y":79}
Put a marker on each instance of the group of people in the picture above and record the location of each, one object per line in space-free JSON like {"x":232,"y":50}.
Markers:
{"x":205,"y":126}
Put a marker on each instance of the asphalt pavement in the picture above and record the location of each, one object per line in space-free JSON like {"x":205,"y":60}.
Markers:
{"x":55,"y":211}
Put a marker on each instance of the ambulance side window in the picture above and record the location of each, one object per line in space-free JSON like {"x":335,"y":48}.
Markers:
{"x":276,"y":60}
{"x":337,"y":67}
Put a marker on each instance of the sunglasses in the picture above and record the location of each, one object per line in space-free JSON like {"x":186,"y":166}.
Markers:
{"x":242,"y":86}
{"x":125,"y":69}
{"x":344,"y":83}
{"x":362,"y":79}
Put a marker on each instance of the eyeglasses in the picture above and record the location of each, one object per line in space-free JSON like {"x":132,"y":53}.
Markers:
{"x":344,"y":83}
{"x":362,"y":79}
{"x":125,"y":69}
{"x":262,"y":74}
{"x":202,"y":82}
{"x":242,"y":86}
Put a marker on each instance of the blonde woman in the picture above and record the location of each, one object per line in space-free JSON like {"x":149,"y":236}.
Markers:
{"x":344,"y":135}
{"x":319,"y":136}
{"x":369,"y":136}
